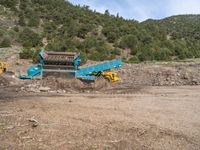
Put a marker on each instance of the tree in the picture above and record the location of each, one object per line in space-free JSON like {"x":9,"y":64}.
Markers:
{"x":83,"y":30}
{"x":145,"y":53}
{"x":23,"y":4}
{"x":117,"y":15}
{"x":162,"y":54}
{"x":5,"y":43}
{"x":26,"y":53}
{"x":129,"y":41}
{"x":34,"y":21}
{"x":107,"y":13}
{"x":73,"y":28}
{"x":134,"y":59}
{"x":21,"y":21}
{"x":1,"y":32}
{"x":9,"y":3}
{"x":146,"y":39}
{"x":28,"y":38}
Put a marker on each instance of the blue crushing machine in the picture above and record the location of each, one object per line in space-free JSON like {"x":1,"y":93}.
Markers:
{"x":66,"y":65}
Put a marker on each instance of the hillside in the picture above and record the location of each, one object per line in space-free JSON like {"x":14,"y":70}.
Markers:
{"x":58,"y":25}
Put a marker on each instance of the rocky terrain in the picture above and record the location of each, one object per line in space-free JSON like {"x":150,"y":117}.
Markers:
{"x":144,"y":110}
{"x":131,"y":76}
{"x":176,"y":74}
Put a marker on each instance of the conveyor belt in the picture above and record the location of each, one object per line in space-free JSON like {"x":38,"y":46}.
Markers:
{"x":85,"y":73}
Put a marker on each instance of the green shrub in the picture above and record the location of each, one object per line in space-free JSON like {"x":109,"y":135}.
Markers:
{"x":35,"y":57}
{"x":28,"y":38}
{"x":9,"y":3}
{"x":5,"y":43}
{"x":131,"y":42}
{"x":34,"y":21}
{"x":21,"y":20}
{"x":145,"y":54}
{"x":99,"y":56}
{"x":83,"y":58}
{"x":134,"y":59}
{"x":1,"y":32}
{"x":116,"y":51}
{"x":61,"y":45}
{"x":16,"y":29}
{"x":26,"y":53}
{"x":162,"y":54}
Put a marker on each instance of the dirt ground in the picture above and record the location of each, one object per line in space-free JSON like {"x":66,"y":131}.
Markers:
{"x":146,"y":118}
{"x":153,"y":106}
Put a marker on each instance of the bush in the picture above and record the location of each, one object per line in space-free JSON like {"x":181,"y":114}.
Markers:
{"x":26,"y":53}
{"x":9,"y":3}
{"x":34,"y":21}
{"x":83,"y":58}
{"x":145,"y":54}
{"x":5,"y":43}
{"x":2,"y":31}
{"x":16,"y":29}
{"x":35,"y":56}
{"x":162,"y":54}
{"x":21,"y":20}
{"x":28,"y":38}
{"x":100,"y":55}
{"x":61,"y":45}
{"x":129,"y":41}
{"x":116,"y":51}
{"x":134,"y":59}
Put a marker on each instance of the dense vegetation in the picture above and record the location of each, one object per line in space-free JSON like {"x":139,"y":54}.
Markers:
{"x":57,"y":25}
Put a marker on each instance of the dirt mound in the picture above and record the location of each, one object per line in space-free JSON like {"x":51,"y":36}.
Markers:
{"x":133,"y":77}
{"x":4,"y":81}
{"x":74,"y":84}
{"x":61,"y":85}
{"x":8,"y":78}
{"x":160,"y":75}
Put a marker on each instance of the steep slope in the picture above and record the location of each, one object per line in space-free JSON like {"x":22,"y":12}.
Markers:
{"x":58,"y":25}
{"x":182,"y":26}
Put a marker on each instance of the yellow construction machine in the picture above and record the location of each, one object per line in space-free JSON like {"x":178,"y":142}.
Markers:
{"x":110,"y":76}
{"x":3,"y":67}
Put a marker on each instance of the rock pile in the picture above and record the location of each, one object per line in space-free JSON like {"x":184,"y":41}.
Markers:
{"x":3,"y":81}
{"x":37,"y":87}
{"x":159,"y":75}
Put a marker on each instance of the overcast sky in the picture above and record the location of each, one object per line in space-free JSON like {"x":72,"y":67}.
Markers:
{"x":143,"y":9}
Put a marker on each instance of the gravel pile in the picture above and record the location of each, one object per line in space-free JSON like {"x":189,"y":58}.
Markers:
{"x":160,"y":75}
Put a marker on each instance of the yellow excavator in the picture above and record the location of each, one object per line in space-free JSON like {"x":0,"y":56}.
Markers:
{"x":3,"y":67}
{"x":110,"y":76}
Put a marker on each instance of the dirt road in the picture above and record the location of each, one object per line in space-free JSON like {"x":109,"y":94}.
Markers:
{"x":152,"y":118}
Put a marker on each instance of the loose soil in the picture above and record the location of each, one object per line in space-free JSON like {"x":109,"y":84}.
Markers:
{"x":153,"y":106}
{"x":151,"y":118}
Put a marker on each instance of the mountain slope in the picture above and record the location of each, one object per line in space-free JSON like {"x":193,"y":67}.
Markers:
{"x":58,"y":25}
